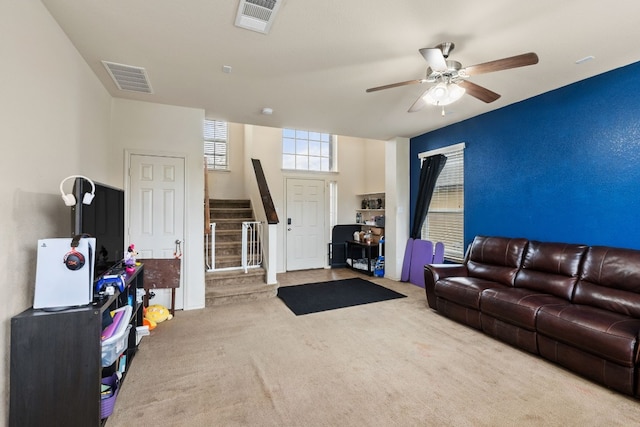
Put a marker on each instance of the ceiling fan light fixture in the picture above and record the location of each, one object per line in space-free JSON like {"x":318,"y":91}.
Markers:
{"x":444,"y":94}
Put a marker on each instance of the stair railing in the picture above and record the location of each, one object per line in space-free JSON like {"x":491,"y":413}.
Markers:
{"x":251,"y":244}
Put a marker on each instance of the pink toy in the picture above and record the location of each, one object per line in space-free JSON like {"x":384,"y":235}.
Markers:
{"x":130,"y":259}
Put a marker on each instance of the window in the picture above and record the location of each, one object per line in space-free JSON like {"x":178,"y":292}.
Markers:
{"x":215,"y":145}
{"x":445,"y":218}
{"x":333,"y":206}
{"x":308,"y":151}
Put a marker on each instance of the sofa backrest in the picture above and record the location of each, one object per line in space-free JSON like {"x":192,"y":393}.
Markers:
{"x":495,"y":258}
{"x":610,"y":279}
{"x":551,"y":268}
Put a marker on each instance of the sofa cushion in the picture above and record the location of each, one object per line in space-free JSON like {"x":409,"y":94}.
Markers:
{"x":611,"y":336}
{"x":495,"y":258}
{"x":516,"y":306}
{"x":610,"y":280}
{"x":464,"y":291}
{"x":551,"y":268}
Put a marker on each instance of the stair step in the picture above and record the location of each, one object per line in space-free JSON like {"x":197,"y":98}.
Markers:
{"x":238,"y":220}
{"x":240,"y":294}
{"x":230,"y":203}
{"x":230,"y":213}
{"x":225,"y":277}
{"x":225,"y":244}
{"x":229,"y":224}
{"x":224,"y":287}
{"x":228,"y":236}
{"x":230,"y":261}
{"x":228,"y":248}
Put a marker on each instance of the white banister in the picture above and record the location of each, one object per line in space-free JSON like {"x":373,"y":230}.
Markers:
{"x":210,"y":255}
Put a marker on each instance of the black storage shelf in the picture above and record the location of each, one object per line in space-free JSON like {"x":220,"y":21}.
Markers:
{"x":368,"y":252}
{"x":56,"y":364}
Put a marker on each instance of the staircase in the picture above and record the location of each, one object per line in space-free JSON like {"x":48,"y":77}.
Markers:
{"x":232,"y":284}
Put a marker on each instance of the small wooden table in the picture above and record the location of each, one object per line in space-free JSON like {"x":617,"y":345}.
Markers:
{"x":161,"y":274}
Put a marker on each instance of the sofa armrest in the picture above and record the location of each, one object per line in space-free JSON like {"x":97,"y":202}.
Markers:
{"x":435,"y":272}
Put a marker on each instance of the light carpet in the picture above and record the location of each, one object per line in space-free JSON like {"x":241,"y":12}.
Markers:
{"x":396,"y":363}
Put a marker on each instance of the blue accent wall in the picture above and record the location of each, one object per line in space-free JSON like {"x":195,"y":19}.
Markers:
{"x":563,"y":166}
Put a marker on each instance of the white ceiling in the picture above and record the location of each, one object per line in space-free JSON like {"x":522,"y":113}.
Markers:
{"x":313,"y":67}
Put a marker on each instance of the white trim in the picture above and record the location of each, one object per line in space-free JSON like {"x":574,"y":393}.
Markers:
{"x":443,"y":150}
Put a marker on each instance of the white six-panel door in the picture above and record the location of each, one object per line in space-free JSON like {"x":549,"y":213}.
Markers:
{"x":305,"y":229}
{"x":156,"y":206}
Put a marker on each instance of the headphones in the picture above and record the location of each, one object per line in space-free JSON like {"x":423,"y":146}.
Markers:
{"x":70,"y":199}
{"x":73,"y":259}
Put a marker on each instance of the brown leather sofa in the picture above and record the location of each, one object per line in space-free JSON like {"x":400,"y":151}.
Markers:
{"x":575,"y":305}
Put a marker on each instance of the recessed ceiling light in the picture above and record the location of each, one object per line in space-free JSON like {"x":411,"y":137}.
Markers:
{"x":267,"y":111}
{"x":585,"y":59}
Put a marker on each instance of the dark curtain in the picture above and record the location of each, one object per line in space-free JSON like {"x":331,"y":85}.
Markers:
{"x":431,"y":168}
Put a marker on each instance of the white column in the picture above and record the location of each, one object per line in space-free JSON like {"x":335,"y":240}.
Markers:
{"x":396,"y":231}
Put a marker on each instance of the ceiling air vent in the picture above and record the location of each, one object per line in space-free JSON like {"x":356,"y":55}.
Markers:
{"x":257,"y":15}
{"x":127,"y":77}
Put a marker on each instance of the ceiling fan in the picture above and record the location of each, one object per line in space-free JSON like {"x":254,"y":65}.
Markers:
{"x":451,"y":79}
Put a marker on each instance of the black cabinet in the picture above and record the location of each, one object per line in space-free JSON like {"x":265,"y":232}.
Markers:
{"x":56,"y":364}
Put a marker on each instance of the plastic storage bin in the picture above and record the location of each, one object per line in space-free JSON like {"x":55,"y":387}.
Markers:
{"x":113,"y":346}
{"x":141,"y":331}
{"x":107,"y":404}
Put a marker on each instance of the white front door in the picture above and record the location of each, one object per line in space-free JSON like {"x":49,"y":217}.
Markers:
{"x":305,"y":224}
{"x":156,"y":210}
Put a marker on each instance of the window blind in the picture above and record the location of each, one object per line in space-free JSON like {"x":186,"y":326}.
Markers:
{"x":215,"y":144}
{"x":445,"y":218}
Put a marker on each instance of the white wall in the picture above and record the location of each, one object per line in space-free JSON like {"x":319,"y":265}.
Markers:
{"x":55,"y":123}
{"x":230,"y":184}
{"x":156,"y":129}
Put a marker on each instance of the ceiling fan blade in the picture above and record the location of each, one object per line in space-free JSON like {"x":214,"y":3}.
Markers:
{"x":392,"y":85}
{"x":434,"y":58}
{"x":419,"y":104}
{"x":503,"y":64}
{"x":477,"y":91}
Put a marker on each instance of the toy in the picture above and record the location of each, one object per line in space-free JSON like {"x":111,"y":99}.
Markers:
{"x":130,"y":259}
{"x":149,"y":323}
{"x":156,"y":314}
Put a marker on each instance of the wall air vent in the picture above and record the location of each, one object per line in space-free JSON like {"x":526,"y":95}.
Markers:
{"x":127,"y":77}
{"x":257,"y":15}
